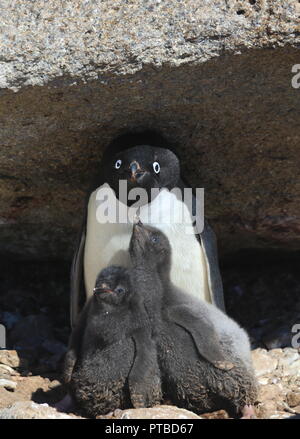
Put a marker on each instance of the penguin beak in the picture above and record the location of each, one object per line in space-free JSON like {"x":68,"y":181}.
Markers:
{"x":137,"y":221}
{"x":138,"y":225}
{"x":100,"y":290}
{"x":137,"y":173}
{"x":140,"y":232}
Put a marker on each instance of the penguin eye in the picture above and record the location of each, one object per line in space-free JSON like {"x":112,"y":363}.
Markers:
{"x":120,"y":290}
{"x":156,"y":167}
{"x":154,"y":238}
{"x":118,"y":164}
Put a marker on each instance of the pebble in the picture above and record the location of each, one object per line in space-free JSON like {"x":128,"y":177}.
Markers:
{"x":263,"y":380}
{"x":158,"y":412}
{"x":278,"y":375}
{"x":54,"y":384}
{"x":9,"y":358}
{"x":294,"y":368}
{"x":289,"y":357}
{"x":31,"y":410}
{"x":269,"y":392}
{"x":7,"y":370}
{"x":266,"y":409}
{"x":293,"y":399}
{"x":280,"y":415}
{"x":8,"y":384}
{"x":262,"y":362}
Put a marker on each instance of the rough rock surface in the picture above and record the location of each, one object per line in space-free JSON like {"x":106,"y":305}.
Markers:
{"x":215,"y":78}
{"x":277,"y":371}
{"x":158,"y":412}
{"x":10,"y":358}
{"x":31,"y":410}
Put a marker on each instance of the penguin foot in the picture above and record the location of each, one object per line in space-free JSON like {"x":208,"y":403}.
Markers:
{"x":65,"y":405}
{"x":248,"y":412}
{"x":224,"y":365}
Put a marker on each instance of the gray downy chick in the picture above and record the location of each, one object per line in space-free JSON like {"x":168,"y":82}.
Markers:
{"x":203,"y":354}
{"x":112,"y":360}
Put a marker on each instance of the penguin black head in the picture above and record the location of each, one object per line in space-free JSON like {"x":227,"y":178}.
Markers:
{"x":142,"y":166}
{"x":149,"y":244}
{"x":112,"y":285}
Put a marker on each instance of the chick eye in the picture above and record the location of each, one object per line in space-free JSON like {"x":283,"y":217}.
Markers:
{"x":120,"y":290}
{"x":156,"y":167}
{"x":154,"y":238}
{"x":118,"y":164}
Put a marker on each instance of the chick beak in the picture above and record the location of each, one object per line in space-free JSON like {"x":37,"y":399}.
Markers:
{"x":140,"y":233}
{"x":99,"y":290}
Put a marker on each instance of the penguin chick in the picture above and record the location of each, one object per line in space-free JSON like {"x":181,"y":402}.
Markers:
{"x":150,"y":253}
{"x":196,"y":341}
{"x":112,"y":361}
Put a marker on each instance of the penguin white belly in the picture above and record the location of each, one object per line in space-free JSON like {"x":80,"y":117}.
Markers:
{"x":107,"y":243}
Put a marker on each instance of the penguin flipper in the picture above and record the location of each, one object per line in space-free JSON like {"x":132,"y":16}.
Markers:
{"x":203,"y":334}
{"x":76,"y":285}
{"x":208,"y":242}
{"x":209,"y":246}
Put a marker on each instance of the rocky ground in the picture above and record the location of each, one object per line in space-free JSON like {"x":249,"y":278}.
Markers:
{"x":214,"y":77}
{"x":263,"y":296}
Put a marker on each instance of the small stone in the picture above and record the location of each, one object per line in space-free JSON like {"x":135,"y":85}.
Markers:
{"x":293,"y":399}
{"x":7,"y":370}
{"x":262,"y":362}
{"x":280,"y":415}
{"x":8,"y":384}
{"x":288,"y":358}
{"x":158,"y":412}
{"x":263,"y":380}
{"x":10,"y":358}
{"x":289,"y":350}
{"x":220,"y":414}
{"x":276,"y":353}
{"x":269,"y":392}
{"x":31,"y":410}
{"x":266,"y":409}
{"x":54,"y":384}
{"x":293,"y":369}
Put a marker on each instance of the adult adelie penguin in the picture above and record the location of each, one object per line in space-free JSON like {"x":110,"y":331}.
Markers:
{"x":144,"y":160}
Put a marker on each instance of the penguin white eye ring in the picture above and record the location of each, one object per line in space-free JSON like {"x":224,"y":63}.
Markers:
{"x":118,"y":164}
{"x":156,"y":167}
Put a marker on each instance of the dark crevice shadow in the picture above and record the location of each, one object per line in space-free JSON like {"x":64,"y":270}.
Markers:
{"x":262,"y":293}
